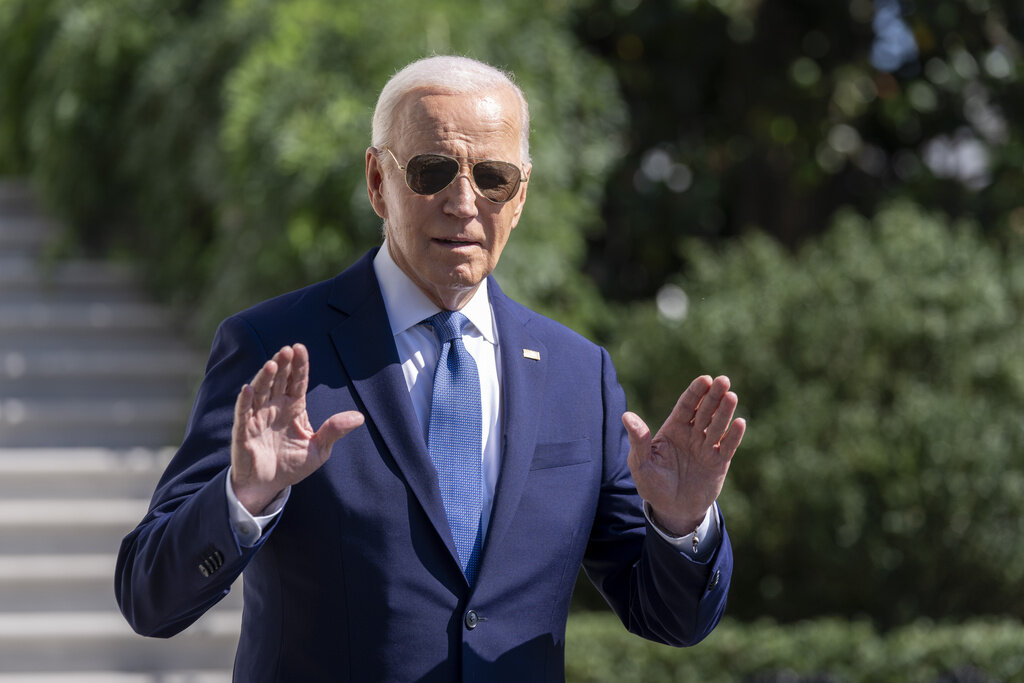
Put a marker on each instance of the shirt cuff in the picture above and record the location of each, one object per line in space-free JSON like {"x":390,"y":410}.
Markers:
{"x":698,"y":545}
{"x":247,"y":527}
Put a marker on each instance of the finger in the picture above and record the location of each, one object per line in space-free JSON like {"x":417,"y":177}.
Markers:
{"x":284,"y":364}
{"x":298,"y":380}
{"x":723,"y":415}
{"x":731,"y":441}
{"x":261,"y":384}
{"x":709,"y":404}
{"x":243,"y":408}
{"x":686,"y":406}
{"x":639,"y":435}
{"x":677,"y":425}
{"x":335,"y":427}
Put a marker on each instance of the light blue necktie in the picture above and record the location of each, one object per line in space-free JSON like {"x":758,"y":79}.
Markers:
{"x":454,"y":438}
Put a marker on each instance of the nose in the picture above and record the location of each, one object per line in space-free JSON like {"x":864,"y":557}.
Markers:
{"x":461,"y":199}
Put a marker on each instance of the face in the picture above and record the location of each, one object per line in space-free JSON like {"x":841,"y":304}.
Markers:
{"x":447,"y":243}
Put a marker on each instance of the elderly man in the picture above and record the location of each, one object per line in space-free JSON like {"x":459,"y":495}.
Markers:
{"x":411,"y":467}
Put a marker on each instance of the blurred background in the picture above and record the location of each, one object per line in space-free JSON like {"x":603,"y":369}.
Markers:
{"x":823,"y":200}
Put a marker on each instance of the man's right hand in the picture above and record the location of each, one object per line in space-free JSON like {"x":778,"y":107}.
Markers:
{"x":273,"y":445}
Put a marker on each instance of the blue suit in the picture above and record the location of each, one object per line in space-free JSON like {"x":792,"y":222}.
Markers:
{"x":358,"y":578}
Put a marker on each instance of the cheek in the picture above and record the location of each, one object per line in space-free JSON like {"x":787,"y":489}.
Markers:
{"x":503,"y":231}
{"x":498,"y":241}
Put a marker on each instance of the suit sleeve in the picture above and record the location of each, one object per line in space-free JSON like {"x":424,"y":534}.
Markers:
{"x":183,"y":557}
{"x":657,"y":592}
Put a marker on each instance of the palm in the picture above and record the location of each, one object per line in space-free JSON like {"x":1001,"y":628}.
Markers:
{"x":273,"y":444}
{"x":278,"y":437}
{"x":681,"y":470}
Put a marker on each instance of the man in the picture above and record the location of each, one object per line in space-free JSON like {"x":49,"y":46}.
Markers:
{"x":413,"y":504}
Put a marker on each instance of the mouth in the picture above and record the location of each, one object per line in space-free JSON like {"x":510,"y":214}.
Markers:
{"x":455,"y":243}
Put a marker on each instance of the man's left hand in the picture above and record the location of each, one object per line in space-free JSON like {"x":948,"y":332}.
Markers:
{"x":680,"y":471}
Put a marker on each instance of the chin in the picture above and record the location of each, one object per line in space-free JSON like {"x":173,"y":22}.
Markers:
{"x":466,"y":275}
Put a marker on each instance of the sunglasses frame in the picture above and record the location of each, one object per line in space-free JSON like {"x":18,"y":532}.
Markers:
{"x":471,"y":162}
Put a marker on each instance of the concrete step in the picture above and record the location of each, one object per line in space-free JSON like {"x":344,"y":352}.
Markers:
{"x":73,"y":526}
{"x":111,"y":423}
{"x":119,"y":677}
{"x":70,"y":319}
{"x":78,"y":642}
{"x":21,"y":340}
{"x":99,"y":373}
{"x":66,"y":583}
{"x":98,"y":473}
{"x":25,"y":279}
{"x":95,"y":385}
{"x":15,"y":193}
{"x":57,"y":583}
{"x":26,"y":233}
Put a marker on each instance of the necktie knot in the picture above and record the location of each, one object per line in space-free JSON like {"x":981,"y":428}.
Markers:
{"x":448,"y":325}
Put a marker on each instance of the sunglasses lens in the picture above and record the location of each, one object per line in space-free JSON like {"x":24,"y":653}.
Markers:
{"x":496,"y":180}
{"x":430,"y":173}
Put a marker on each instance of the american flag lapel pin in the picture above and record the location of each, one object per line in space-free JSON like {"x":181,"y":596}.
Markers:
{"x":531,"y":354}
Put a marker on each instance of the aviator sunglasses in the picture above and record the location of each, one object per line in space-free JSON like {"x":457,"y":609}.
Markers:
{"x":497,"y":181}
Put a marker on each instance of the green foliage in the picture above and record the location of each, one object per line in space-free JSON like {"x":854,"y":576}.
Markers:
{"x":770,"y":114}
{"x":881,"y":365}
{"x":22,"y":48}
{"x":599,"y":649}
{"x":225,"y":142}
{"x":882,"y":373}
{"x":171,"y":162}
{"x":296,"y":128}
{"x":72,"y":66}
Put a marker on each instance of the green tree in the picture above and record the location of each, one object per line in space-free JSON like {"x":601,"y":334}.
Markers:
{"x":296,"y":128}
{"x":224,"y":142}
{"x":71,"y":67}
{"x":770,"y":114}
{"x":882,"y":372}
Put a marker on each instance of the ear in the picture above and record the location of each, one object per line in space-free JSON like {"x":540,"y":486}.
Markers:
{"x":520,"y":200}
{"x":375,"y":182}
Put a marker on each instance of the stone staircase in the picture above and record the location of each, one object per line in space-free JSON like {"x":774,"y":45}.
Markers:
{"x":95,"y":387}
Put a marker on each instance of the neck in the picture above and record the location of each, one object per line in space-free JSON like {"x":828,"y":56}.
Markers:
{"x":451,"y":298}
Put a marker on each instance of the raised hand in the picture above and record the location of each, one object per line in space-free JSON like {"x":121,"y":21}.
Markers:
{"x":681,"y":470}
{"x":273,"y":444}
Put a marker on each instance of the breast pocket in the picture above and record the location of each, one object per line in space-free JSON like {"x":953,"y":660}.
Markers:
{"x":563,"y":454}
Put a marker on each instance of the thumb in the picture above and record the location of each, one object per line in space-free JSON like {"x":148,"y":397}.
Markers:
{"x":638,"y":432}
{"x":335,"y":427}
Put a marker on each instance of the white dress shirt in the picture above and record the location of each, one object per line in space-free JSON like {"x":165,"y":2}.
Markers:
{"x":418,"y":350}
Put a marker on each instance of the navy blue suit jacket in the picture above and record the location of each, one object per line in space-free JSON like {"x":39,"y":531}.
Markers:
{"x":357,"y":579}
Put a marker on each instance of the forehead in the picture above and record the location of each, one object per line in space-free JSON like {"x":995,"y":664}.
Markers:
{"x":484,"y":124}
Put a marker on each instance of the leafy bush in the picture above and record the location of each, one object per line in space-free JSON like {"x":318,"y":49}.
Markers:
{"x":224,"y":142}
{"x":882,"y":373}
{"x":823,"y":651}
{"x":22,"y":48}
{"x":296,"y":128}
{"x":72,"y":68}
{"x":772,"y":114}
{"x":881,"y":366}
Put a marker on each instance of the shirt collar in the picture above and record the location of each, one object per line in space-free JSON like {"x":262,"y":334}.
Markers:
{"x":407,"y":305}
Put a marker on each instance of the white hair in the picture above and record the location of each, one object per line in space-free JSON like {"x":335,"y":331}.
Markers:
{"x":458,"y":75}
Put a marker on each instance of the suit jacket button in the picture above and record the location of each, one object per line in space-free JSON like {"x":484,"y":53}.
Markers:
{"x":714,"y":580}
{"x":472,"y":619}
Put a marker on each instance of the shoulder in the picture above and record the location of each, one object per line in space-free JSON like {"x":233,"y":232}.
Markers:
{"x":304,"y":315}
{"x":315,"y":301}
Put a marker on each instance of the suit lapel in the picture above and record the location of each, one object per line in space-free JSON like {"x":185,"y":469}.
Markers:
{"x":366,"y":347}
{"x":523,"y":379}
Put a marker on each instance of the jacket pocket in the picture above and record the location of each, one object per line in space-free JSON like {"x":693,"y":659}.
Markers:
{"x":563,"y":454}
